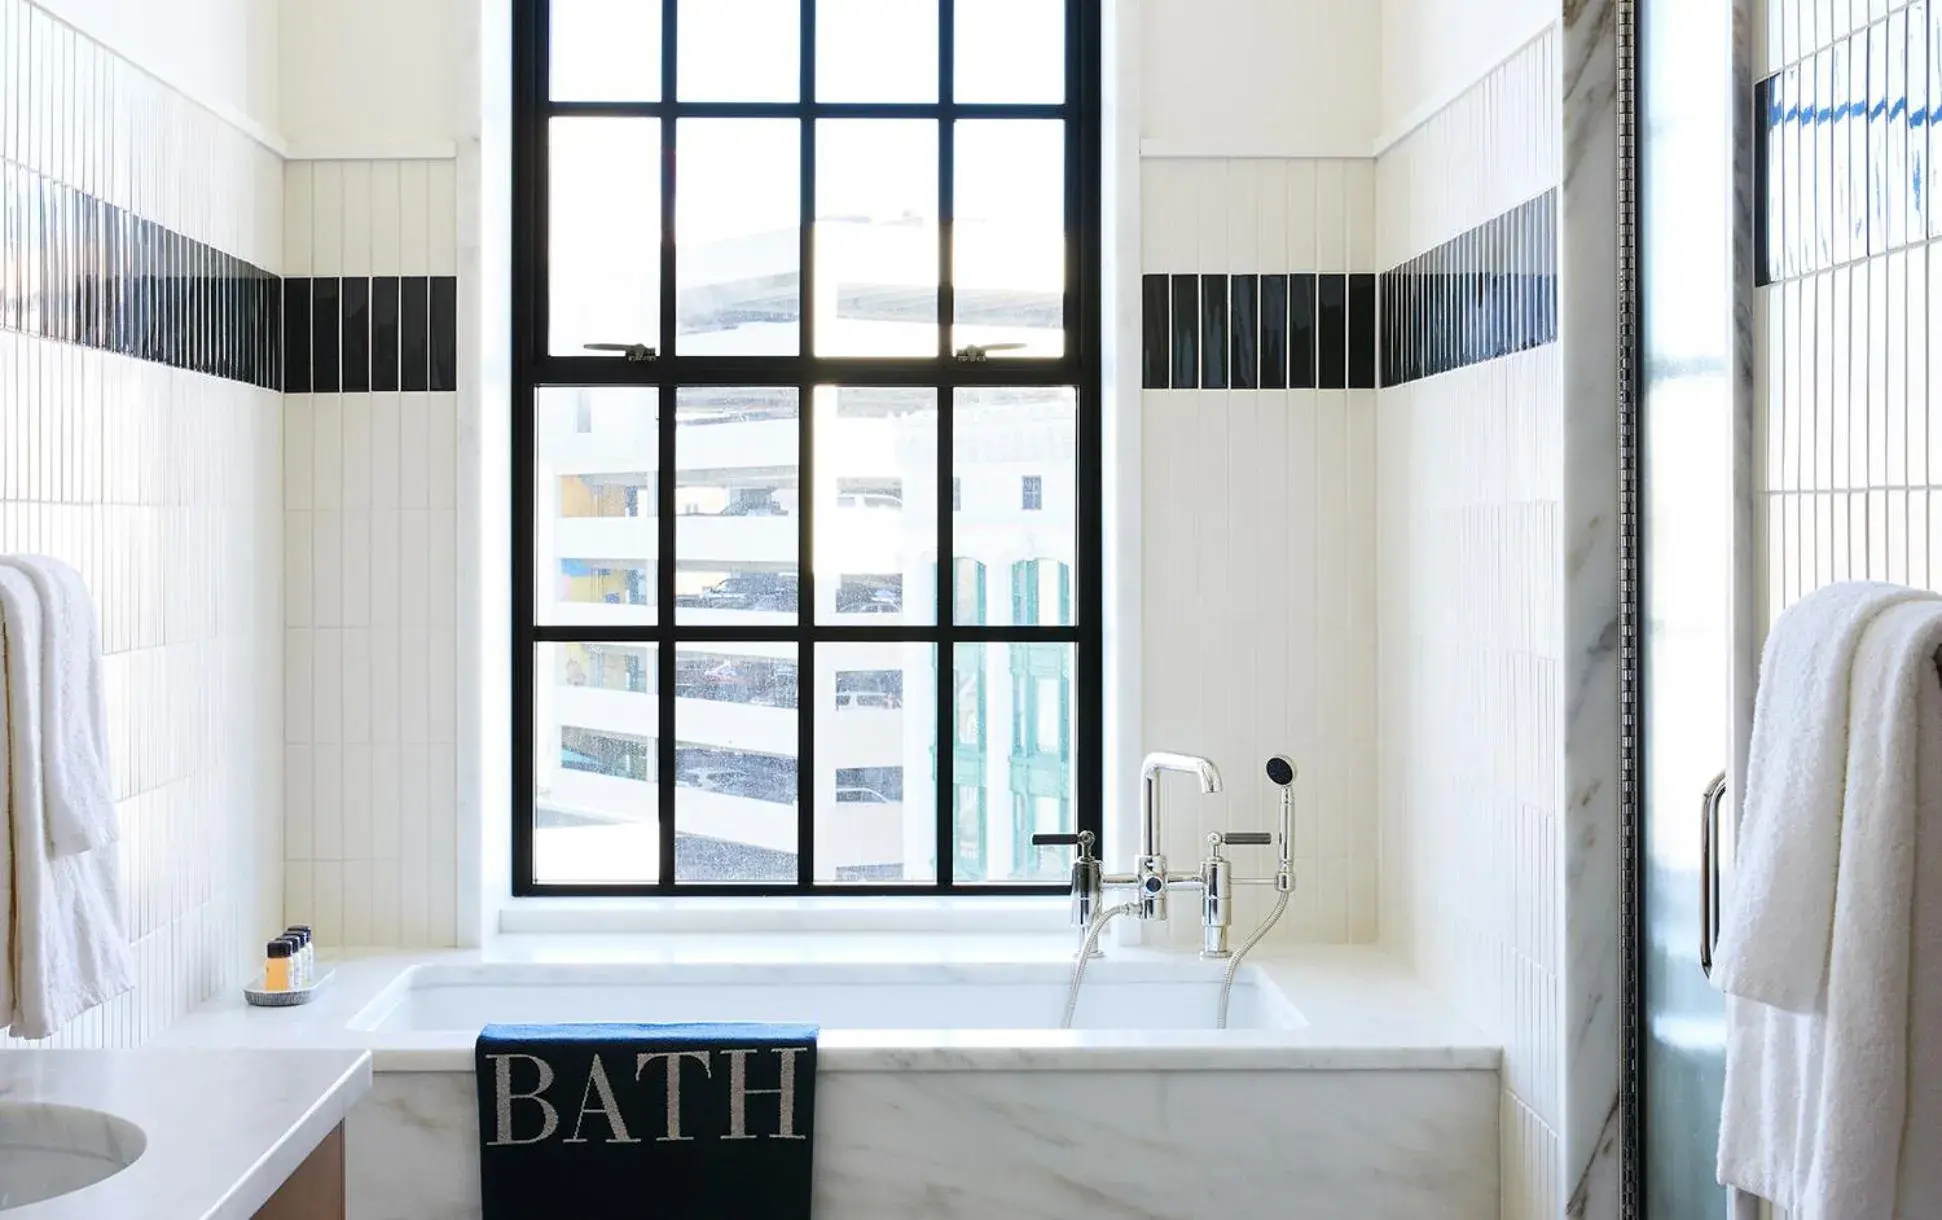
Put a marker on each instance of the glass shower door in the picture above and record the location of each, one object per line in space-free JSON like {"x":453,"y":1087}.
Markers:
{"x":1687,"y":103}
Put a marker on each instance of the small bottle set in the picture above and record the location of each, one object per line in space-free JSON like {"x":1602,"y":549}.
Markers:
{"x":290,"y":974}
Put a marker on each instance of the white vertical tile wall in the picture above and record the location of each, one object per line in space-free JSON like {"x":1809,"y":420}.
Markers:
{"x":1850,"y":404}
{"x":1471,"y":644}
{"x":1258,"y":549}
{"x":371,"y":589}
{"x":160,"y":486}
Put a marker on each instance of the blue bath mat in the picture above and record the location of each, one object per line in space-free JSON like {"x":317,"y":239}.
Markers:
{"x":647,"y":1122}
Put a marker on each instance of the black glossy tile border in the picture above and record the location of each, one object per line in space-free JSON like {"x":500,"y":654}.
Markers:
{"x":444,"y":333}
{"x":296,"y":336}
{"x":1274,"y":332}
{"x":1845,"y":147}
{"x":1213,"y":332}
{"x":1155,"y":337}
{"x":77,"y":269}
{"x":1484,"y":294}
{"x":1362,"y":330}
{"x":414,"y":334}
{"x":1243,"y":361}
{"x":1333,"y":329}
{"x":384,"y":333}
{"x":351,"y":334}
{"x":326,"y":326}
{"x":1302,"y":343}
{"x":1279,"y":331}
{"x":356,"y":338}
{"x":1186,"y":332}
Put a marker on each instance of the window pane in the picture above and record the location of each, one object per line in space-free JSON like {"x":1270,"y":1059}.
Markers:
{"x":876,"y":51}
{"x":736,"y":496}
{"x":606,"y":51}
{"x":1008,"y":238}
{"x":739,"y":51}
{"x":876,"y":505}
{"x":596,"y":534}
{"x":876,"y":237}
{"x":1003,"y":437}
{"x":738,"y":207}
{"x":595,"y":772}
{"x":876,"y":807}
{"x":1013,"y":761}
{"x":1010,"y":50}
{"x":605,"y":194}
{"x":735,"y":762}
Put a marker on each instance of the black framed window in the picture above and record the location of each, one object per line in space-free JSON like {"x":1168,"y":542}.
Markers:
{"x":802,"y":289}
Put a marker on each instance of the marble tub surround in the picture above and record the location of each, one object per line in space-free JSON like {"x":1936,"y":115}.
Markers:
{"x":223,"y":1127}
{"x":1379,"y":1103}
{"x":1590,"y":1116}
{"x":1042,"y":1145}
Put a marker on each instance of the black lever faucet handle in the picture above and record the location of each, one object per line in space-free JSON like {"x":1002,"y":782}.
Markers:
{"x":1083,"y":841}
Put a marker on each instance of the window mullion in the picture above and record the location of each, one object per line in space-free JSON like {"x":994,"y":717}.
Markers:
{"x":670,"y":30}
{"x":667,"y":732}
{"x":667,"y":749}
{"x":946,"y":748}
{"x":806,"y":770}
{"x":1084,"y":163}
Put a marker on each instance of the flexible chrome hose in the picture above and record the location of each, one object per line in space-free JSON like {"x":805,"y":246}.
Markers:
{"x":1234,"y":963}
{"x":1099,"y":923}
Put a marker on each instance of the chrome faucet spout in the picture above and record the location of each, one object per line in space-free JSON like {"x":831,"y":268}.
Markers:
{"x":1150,"y":867}
{"x":1151,"y":766}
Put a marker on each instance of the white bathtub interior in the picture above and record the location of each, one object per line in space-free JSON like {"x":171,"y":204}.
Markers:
{"x":430,"y":998}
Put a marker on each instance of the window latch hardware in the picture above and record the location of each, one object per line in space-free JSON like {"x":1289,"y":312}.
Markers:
{"x":977,"y":353}
{"x":636,"y":353}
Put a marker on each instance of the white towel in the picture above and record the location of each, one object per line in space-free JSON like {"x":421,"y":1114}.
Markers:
{"x":1774,"y":940}
{"x":68,"y":952}
{"x":80,"y":793}
{"x":1819,"y":1106}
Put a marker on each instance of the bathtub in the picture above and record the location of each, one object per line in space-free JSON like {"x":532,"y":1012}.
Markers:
{"x":945,"y":1087}
{"x":867,"y":998}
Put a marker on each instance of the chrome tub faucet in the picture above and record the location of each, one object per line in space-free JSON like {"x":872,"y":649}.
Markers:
{"x":1151,"y":880}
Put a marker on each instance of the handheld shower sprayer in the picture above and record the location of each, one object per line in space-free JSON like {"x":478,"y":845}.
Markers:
{"x":1281,"y":773}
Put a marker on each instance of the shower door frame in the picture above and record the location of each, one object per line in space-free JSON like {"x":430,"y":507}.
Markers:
{"x":1746,"y":611}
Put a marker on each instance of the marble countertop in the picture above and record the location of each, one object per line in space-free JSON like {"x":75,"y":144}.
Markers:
{"x":1362,"y":1010}
{"x":224,"y":1128}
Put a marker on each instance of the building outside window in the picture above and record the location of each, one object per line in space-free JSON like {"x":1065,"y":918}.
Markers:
{"x":732,"y":670}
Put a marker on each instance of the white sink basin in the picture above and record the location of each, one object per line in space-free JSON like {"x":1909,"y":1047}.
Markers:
{"x":49,"y":1150}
